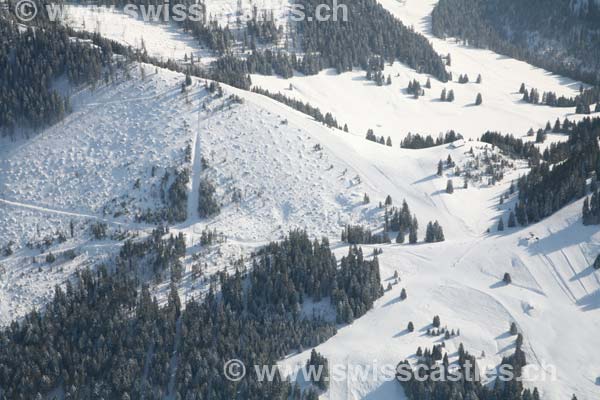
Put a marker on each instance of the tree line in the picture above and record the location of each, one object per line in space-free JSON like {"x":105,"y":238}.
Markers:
{"x":304,"y":108}
{"x":32,"y":58}
{"x":106,"y":336}
{"x":568,"y":46}
{"x":417,"y":141}
{"x":546,"y":189}
{"x":463,"y":383}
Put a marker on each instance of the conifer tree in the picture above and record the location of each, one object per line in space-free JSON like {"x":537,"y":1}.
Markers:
{"x":403,"y":294}
{"x":320,"y":370}
{"x":451,"y":95}
{"x":412,"y":235}
{"x":429,"y":235}
{"x":556,"y":127}
{"x":511,"y":220}
{"x":400,"y":237}
{"x":597,"y":262}
{"x":540,"y":136}
{"x":449,"y":187}
{"x":438,"y":232}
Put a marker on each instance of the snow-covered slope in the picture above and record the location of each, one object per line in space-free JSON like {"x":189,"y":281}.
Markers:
{"x":554,"y":300}
{"x":269,"y":152}
{"x":391,"y":111}
{"x":89,"y":163}
{"x":293,"y":172}
{"x":161,"y":40}
{"x":354,"y":100}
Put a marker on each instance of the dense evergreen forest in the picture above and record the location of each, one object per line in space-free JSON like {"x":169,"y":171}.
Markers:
{"x":567,"y":36}
{"x":32,"y":59}
{"x":369,"y":31}
{"x":417,"y":141}
{"x":591,"y":207}
{"x":418,"y":387}
{"x":547,"y":188}
{"x":514,"y":147}
{"x":585,"y":102}
{"x":105,"y":337}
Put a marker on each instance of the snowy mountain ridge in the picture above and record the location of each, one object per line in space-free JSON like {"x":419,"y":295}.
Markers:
{"x":275,"y":170}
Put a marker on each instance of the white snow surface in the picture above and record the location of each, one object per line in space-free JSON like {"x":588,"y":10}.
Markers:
{"x":391,"y":111}
{"x":85,"y":169}
{"x":160,"y":39}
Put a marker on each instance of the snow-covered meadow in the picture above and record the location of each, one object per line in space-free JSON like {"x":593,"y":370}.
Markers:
{"x":293,"y":172}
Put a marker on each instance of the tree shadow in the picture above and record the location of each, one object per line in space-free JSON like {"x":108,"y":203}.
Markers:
{"x":506,"y":348}
{"x":504,"y":335}
{"x":590,"y":301}
{"x":582,"y":274}
{"x":439,"y":192}
{"x":498,"y":285}
{"x":402,"y":333}
{"x":390,"y":389}
{"x":426,"y":179}
{"x":395,"y":300}
{"x":573,"y":234}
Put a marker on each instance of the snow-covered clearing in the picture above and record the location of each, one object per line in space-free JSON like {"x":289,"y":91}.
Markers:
{"x":165,"y":40}
{"x":90,"y":163}
{"x":293,"y":172}
{"x":553,"y":299}
{"x":390,"y":111}
{"x":268,"y":152}
{"x":161,"y":40}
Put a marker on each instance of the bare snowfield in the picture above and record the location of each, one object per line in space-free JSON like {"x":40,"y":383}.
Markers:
{"x":293,"y":172}
{"x":112,"y":139}
{"x":553,"y":300}
{"x":159,"y":39}
{"x":354,"y":100}
{"x":391,"y":111}
{"x":268,"y":151}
